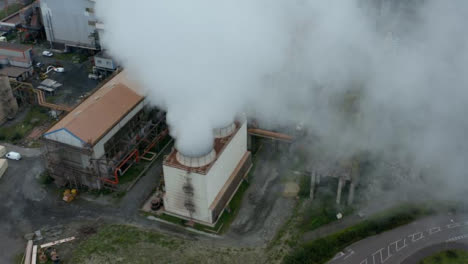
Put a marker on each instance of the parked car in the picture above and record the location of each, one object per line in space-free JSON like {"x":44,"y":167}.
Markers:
{"x":39,"y":64}
{"x":47,"y":53}
{"x":59,"y":69}
{"x":93,"y":76}
{"x":13,"y":155}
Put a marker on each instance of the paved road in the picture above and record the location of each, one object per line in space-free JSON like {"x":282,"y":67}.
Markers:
{"x":401,"y":243}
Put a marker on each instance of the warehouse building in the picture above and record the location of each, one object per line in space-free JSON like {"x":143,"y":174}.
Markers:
{"x":104,"y":136}
{"x":16,"y":60}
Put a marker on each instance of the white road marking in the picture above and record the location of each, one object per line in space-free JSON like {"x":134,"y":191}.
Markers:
{"x":338,"y":255}
{"x":396,"y":245}
{"x":416,"y":236}
{"x":350,"y":253}
{"x":453,"y":225}
{"x":382,"y":259}
{"x":363,"y":262}
{"x":434,"y":230}
{"x":457,"y":238}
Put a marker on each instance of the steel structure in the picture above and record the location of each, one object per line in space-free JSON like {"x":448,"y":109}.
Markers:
{"x":138,"y":139}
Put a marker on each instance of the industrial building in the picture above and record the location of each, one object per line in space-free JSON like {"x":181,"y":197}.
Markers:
{"x":100,"y":139}
{"x":16,"y":60}
{"x":104,"y":64}
{"x":27,"y":20}
{"x":8,"y":104}
{"x":70,"y":23}
{"x":199,"y":188}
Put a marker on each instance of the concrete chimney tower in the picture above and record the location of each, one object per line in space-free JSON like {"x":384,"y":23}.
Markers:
{"x":199,"y":188}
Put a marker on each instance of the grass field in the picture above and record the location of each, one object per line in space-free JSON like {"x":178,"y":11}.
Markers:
{"x":129,"y":244}
{"x":447,"y":257}
{"x":15,"y":133}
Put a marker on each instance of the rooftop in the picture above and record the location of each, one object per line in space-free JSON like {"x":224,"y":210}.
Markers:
{"x":219,"y":145}
{"x":101,"y":111}
{"x":12,"y":71}
{"x":14,"y":46}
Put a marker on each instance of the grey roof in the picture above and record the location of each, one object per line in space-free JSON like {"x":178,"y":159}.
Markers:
{"x":14,"y":46}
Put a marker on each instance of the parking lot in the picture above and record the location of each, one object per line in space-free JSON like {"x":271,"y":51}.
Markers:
{"x":75,"y":79}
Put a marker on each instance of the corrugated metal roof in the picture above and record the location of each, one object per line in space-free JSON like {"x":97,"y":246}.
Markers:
{"x":100,"y":112}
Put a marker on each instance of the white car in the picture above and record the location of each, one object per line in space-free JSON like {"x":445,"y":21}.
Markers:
{"x":47,"y":53}
{"x":13,"y":155}
{"x":93,"y":76}
{"x":59,"y":69}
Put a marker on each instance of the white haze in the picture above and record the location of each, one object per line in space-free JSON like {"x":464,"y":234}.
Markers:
{"x":286,"y":62}
{"x":198,"y":59}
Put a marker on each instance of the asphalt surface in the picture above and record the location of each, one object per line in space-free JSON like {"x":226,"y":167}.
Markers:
{"x":26,"y":206}
{"x":408,"y":242}
{"x":263,"y":209}
{"x":75,"y":78}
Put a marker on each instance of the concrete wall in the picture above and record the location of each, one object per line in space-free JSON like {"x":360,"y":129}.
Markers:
{"x":8,"y":104}
{"x":206,"y":187}
{"x":226,"y":163}
{"x":12,"y":54}
{"x":68,"y":22}
{"x":20,"y":64}
{"x":174,"y":200}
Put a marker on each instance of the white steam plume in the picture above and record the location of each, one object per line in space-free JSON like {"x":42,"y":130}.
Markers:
{"x":288,"y":61}
{"x":200,"y":59}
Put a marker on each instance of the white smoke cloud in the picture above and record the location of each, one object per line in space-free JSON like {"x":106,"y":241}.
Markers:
{"x":200,"y":59}
{"x":288,"y":61}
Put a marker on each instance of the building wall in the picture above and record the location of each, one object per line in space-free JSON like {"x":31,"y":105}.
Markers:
{"x":20,"y":64}
{"x":206,"y":187}
{"x":64,"y":137}
{"x":226,"y":163}
{"x":8,"y":104}
{"x":12,"y":53}
{"x":98,"y":149}
{"x":69,"y":22}
{"x":104,"y":63}
{"x":175,"y":198}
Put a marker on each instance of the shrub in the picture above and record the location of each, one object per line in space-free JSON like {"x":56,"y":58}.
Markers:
{"x":16,"y":136}
{"x":323,"y":249}
{"x":451,"y":254}
{"x":45,"y":178}
{"x":304,"y":186}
